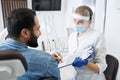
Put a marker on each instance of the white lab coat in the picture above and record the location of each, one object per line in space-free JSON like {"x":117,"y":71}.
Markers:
{"x":90,"y":37}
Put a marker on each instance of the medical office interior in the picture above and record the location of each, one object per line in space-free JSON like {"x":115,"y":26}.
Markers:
{"x":56,"y":24}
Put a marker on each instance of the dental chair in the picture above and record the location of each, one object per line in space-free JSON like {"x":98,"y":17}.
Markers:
{"x":3,"y":35}
{"x":112,"y":68}
{"x":12,"y":65}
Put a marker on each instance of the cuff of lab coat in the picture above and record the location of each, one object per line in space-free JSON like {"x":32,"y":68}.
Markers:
{"x":100,"y":69}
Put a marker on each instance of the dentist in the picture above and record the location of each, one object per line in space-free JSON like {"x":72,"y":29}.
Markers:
{"x":93,"y":66}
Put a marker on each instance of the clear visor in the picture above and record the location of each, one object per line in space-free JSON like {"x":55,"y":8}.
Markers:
{"x":77,"y":16}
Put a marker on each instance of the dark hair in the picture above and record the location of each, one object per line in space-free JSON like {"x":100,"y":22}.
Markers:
{"x":18,"y":19}
{"x":85,"y":11}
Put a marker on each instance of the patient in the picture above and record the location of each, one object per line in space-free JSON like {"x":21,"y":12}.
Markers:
{"x":23,"y":30}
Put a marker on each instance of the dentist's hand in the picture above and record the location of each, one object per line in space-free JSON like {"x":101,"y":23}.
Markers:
{"x":78,"y":62}
{"x":57,"y":56}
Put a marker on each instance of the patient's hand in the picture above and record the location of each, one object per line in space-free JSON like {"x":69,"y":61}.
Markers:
{"x":57,"y":56}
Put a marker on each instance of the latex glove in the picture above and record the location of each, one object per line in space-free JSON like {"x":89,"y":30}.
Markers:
{"x":78,"y":62}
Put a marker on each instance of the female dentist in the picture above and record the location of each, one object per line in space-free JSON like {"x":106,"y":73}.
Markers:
{"x":93,"y":66}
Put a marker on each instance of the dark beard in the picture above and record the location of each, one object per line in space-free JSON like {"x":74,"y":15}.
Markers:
{"x":32,"y":42}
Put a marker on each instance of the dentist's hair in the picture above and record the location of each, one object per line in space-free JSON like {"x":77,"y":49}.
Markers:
{"x":84,"y":11}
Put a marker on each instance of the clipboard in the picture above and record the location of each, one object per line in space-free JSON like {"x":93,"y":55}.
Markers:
{"x":84,"y":54}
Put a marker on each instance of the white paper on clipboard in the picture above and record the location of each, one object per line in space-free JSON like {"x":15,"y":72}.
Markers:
{"x":67,"y":60}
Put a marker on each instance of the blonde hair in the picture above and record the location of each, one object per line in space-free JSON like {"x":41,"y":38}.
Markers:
{"x":84,"y":11}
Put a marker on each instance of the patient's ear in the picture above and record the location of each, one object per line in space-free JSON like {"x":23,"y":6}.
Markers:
{"x":25,"y":33}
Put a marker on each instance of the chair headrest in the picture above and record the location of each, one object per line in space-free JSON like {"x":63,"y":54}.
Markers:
{"x":13,"y":54}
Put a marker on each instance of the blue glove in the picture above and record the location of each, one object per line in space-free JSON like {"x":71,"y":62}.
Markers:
{"x":78,"y":62}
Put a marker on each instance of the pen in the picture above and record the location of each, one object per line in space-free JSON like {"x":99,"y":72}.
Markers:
{"x":65,"y":65}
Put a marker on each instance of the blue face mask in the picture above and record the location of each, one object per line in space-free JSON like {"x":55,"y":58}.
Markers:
{"x":79,"y":28}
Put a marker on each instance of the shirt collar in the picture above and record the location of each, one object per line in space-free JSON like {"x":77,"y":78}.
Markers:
{"x":16,"y":43}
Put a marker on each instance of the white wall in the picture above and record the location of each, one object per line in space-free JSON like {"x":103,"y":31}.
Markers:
{"x":112,"y":29}
{"x":1,"y":18}
{"x":99,"y":15}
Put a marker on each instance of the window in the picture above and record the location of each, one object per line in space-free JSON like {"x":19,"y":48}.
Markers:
{"x":9,"y":5}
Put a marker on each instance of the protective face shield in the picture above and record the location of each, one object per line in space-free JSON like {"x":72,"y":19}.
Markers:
{"x":77,"y":16}
{"x":80,"y":22}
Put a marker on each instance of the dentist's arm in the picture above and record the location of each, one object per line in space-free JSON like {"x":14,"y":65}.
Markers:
{"x":93,"y":67}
